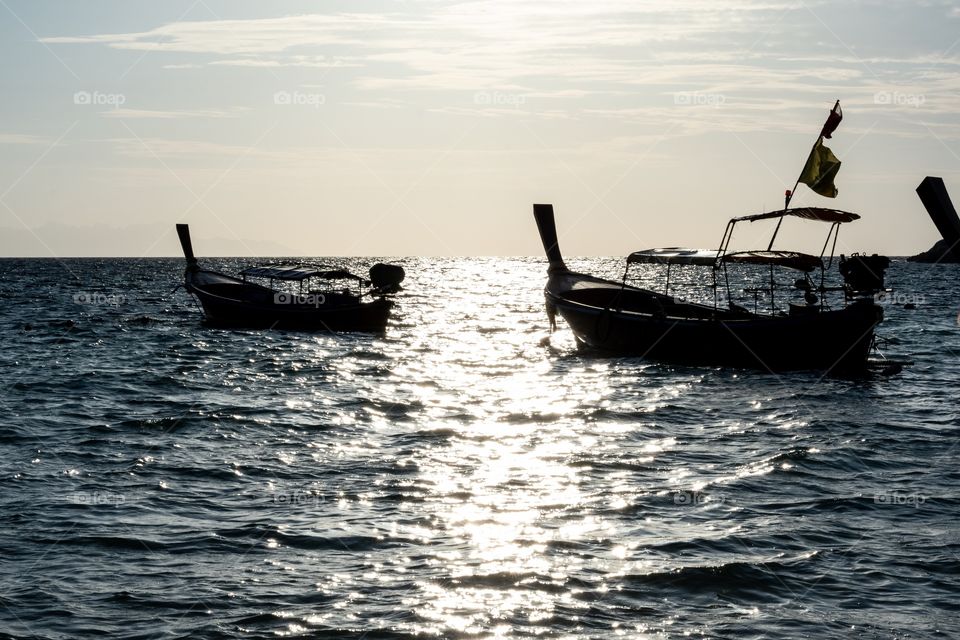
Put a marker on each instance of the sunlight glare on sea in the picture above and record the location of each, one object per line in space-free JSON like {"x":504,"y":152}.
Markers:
{"x":467,"y":474}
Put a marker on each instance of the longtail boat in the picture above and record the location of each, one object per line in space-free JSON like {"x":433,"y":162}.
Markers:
{"x":292,"y":296}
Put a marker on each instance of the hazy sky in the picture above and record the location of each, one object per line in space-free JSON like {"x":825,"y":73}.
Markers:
{"x":430,"y":127}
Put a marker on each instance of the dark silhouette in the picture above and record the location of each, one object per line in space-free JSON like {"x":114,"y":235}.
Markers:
{"x":624,"y":319}
{"x":933,"y":194}
{"x":293,"y":297}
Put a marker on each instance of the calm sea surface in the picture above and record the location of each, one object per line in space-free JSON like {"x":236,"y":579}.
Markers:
{"x":458,"y":477}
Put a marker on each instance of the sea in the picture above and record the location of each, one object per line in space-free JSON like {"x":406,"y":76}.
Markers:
{"x":467,"y":474}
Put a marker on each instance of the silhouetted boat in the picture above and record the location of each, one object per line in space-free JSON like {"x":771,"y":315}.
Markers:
{"x":292,"y":297}
{"x":625,"y":319}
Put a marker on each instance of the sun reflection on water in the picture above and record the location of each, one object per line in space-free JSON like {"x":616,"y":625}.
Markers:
{"x":514,"y":492}
{"x":529,"y":481}
{"x":529,"y":532}
{"x":504,"y":490}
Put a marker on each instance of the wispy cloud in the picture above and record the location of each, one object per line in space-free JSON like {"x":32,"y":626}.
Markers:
{"x":574,"y":48}
{"x":317,"y":62}
{"x":738,"y":65}
{"x":253,"y":36}
{"x":172,"y":114}
{"x":153,"y":147}
{"x":501,"y":41}
{"x":21,"y":138}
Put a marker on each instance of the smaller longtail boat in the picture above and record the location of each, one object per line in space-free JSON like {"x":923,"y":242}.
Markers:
{"x":292,"y":296}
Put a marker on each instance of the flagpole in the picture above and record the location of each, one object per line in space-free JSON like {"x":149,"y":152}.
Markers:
{"x":786,"y":204}
{"x":789,"y":195}
{"x":819,"y":140}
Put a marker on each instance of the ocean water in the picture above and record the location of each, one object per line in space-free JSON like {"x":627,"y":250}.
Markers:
{"x":461,"y":476}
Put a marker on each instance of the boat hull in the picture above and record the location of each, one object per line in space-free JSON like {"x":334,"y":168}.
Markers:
{"x":237,"y":304}
{"x":836,"y":341}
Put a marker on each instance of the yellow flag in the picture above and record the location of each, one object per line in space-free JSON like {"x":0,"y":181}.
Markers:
{"x":821,"y":168}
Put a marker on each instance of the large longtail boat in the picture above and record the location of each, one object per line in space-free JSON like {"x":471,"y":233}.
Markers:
{"x":619,"y":317}
{"x":292,"y":296}
{"x":823,"y":325}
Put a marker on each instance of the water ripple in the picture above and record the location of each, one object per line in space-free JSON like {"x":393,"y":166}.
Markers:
{"x":462,"y":476}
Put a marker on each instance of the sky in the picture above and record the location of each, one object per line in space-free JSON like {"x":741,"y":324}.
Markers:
{"x":430,"y":127}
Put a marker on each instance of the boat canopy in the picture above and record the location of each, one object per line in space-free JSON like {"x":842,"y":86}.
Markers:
{"x":789,"y":259}
{"x":706,"y":257}
{"x":295,"y":272}
{"x":821,"y":214}
{"x":673,"y":255}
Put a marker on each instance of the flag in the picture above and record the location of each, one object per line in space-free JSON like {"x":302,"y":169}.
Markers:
{"x":833,"y":121}
{"x":821,"y":168}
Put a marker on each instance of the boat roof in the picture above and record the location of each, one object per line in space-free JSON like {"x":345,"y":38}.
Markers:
{"x":297,"y":272}
{"x":789,"y":259}
{"x":673,"y":255}
{"x":708,"y":257}
{"x":821,"y":214}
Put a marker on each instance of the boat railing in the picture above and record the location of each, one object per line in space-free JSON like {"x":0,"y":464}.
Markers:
{"x":306,"y":278}
{"x":813,"y":295}
{"x":762,"y":288}
{"x":861,"y":276}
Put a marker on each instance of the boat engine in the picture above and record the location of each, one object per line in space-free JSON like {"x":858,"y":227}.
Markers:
{"x":863,"y":274}
{"x":386,"y":278}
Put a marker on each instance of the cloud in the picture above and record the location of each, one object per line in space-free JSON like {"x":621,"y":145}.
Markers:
{"x":491,"y":29}
{"x":21,"y":138}
{"x":574,"y":58}
{"x":253,"y":36}
{"x":168,"y":147}
{"x":496,"y":111}
{"x":172,"y":114}
{"x":318,"y":62}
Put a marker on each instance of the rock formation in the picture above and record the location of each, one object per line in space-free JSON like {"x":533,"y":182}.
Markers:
{"x":933,"y":194}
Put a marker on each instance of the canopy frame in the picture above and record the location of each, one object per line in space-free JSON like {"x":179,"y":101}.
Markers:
{"x":300,"y":274}
{"x":722,"y":256}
